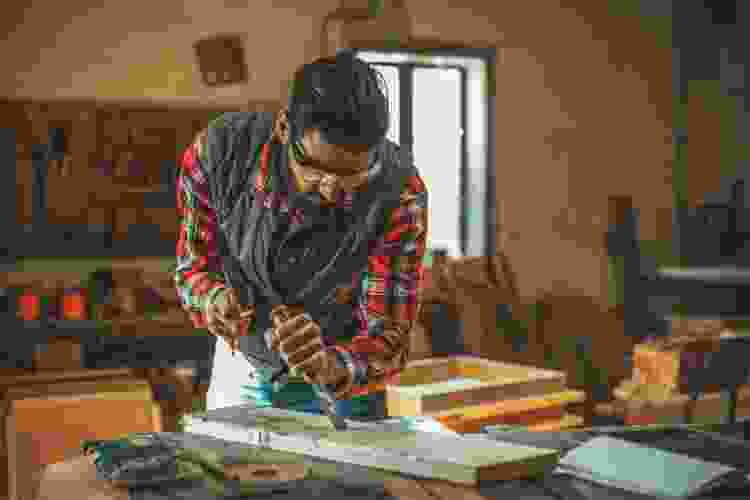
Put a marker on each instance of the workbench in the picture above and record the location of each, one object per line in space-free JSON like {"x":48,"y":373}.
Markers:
{"x":75,"y":477}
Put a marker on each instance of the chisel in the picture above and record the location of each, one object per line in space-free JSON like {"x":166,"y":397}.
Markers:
{"x":327,"y":398}
{"x":237,"y":279}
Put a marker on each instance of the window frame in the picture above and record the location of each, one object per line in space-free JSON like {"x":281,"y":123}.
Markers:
{"x":406,"y":136}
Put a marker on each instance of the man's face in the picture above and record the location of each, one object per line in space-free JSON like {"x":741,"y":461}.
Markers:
{"x":319,"y":155}
{"x":319,"y":163}
{"x":341,"y":161}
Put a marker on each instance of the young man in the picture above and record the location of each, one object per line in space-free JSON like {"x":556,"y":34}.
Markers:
{"x":307,"y":229}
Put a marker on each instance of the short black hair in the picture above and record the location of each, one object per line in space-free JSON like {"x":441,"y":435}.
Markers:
{"x":343,"y":97}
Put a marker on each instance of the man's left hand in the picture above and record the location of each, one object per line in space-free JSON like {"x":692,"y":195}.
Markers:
{"x":299,"y":339}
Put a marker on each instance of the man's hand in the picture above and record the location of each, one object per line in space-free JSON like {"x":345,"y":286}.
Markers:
{"x":299,"y":339}
{"x":225,"y":317}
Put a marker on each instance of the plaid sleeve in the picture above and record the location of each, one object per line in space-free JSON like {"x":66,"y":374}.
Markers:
{"x":198,"y":274}
{"x":392,"y":295}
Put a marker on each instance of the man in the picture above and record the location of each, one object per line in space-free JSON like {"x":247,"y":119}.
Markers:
{"x":307,"y":228}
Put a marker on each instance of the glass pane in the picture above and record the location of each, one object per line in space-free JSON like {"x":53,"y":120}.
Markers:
{"x":477,"y":150}
{"x":390,"y":75}
{"x":437,"y":151}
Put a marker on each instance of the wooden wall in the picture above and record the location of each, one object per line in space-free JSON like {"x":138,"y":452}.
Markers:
{"x":102,"y":139}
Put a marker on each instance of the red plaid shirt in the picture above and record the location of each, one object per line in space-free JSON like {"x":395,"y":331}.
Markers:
{"x":389,"y":290}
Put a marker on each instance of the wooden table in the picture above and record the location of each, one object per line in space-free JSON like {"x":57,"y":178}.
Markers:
{"x":76,"y":478}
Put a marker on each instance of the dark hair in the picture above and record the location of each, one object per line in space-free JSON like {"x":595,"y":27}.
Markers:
{"x":343,"y":97}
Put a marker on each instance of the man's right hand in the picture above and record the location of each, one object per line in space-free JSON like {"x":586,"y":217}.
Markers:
{"x":226,"y":318}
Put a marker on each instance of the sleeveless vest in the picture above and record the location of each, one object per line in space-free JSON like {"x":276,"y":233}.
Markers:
{"x":272,"y":262}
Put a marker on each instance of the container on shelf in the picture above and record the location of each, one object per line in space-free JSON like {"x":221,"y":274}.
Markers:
{"x":75,"y":302}
{"x":29,"y":303}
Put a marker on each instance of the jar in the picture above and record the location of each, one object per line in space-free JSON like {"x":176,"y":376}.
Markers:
{"x":75,"y":306}
{"x":29,"y":303}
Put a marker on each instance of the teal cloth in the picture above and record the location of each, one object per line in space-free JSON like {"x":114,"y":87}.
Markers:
{"x":302,"y":397}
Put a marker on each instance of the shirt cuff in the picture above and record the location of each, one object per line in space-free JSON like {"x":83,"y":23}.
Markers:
{"x":355,"y":367}
{"x":211,"y":295}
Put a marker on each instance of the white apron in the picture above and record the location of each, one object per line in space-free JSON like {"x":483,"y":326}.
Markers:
{"x":228,"y":374}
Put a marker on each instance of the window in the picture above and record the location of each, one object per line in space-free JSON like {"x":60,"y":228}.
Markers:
{"x":441,"y":111}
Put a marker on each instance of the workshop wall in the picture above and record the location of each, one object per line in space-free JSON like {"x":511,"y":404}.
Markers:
{"x":711,"y":96}
{"x":712,"y":131}
{"x":110,"y":149}
{"x":583,"y":94}
{"x":562,"y":74}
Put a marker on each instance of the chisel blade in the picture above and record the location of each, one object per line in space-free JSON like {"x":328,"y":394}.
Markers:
{"x":328,"y":405}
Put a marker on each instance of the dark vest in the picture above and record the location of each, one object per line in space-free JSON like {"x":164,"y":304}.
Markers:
{"x":271,"y":262}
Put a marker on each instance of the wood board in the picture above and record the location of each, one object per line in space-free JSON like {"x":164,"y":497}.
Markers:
{"x":43,"y":428}
{"x":439,"y":384}
{"x":567,"y":422}
{"x":384,"y":446}
{"x":526,"y":412}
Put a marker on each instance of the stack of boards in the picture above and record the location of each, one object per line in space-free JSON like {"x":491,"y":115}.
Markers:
{"x":657,"y":393}
{"x":384,"y":446}
{"x":467,"y":393}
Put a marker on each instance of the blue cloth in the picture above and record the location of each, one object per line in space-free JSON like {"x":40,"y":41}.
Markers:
{"x":302,"y":397}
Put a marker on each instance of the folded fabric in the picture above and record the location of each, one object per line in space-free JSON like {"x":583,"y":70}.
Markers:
{"x":151,"y":460}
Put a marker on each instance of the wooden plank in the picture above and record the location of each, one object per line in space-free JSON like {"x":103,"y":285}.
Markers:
{"x":21,"y":466}
{"x":58,"y":424}
{"x":514,"y":406}
{"x":382,"y":446}
{"x":448,"y":491}
{"x":435,"y":385}
{"x":47,"y":429}
{"x":464,"y":425}
{"x":53,"y":377}
{"x":407,"y":489}
{"x":76,"y":478}
{"x":525,"y":412}
{"x":35,"y":385}
{"x":566,"y":422}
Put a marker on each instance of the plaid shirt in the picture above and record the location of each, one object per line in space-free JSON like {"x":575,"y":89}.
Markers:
{"x":389,"y":290}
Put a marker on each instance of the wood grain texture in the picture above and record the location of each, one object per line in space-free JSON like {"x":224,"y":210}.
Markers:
{"x":76,"y":478}
{"x":380,"y":446}
{"x":46,"y":425}
{"x":435,"y":385}
{"x":529,"y":412}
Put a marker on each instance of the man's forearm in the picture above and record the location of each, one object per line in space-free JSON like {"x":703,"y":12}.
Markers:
{"x":373,"y":356}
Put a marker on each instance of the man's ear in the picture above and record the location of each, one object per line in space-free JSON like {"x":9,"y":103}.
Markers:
{"x":281,"y":126}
